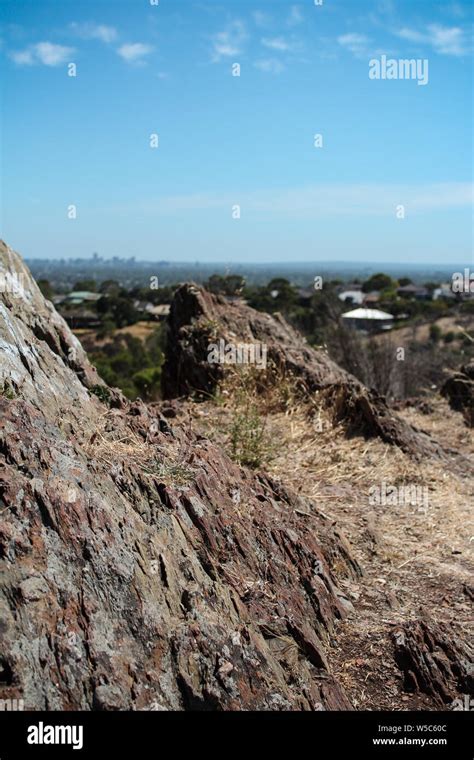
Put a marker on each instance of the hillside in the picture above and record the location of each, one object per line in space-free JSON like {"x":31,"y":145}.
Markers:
{"x":151,"y":558}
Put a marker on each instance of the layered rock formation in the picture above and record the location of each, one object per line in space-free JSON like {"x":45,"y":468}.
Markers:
{"x":433,"y":663}
{"x":140,"y":568}
{"x":198,"y":319}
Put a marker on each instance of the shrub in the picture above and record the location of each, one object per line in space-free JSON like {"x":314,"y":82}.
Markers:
{"x":435,"y":333}
{"x":147,"y":381}
{"x":379,"y":281}
{"x":449,"y":337}
{"x":249,"y":443}
{"x":131,"y":365}
{"x":7,"y":391}
{"x":102,"y":393}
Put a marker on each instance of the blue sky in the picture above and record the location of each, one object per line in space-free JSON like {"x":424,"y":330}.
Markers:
{"x":224,"y":140}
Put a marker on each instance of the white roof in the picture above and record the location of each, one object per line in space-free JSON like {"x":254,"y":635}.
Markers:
{"x":367,"y":314}
{"x":356,"y":295}
{"x":162,"y":310}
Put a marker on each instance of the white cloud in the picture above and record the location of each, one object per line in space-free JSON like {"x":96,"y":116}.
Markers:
{"x":361,"y":199}
{"x":444,"y":40}
{"x":323,"y":200}
{"x":52,"y":55}
{"x":229,"y":42}
{"x":355,"y":43}
{"x":22,"y":57}
{"x":269,"y":65}
{"x":43,"y":52}
{"x":100,"y":32}
{"x":134,"y":52}
{"x":447,"y":41}
{"x":276,"y":43}
{"x":411,"y":35}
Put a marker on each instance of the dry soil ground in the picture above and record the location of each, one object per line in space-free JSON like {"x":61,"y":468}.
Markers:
{"x":417,"y":558}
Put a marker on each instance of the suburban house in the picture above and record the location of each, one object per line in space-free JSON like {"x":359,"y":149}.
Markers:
{"x":150,"y":311}
{"x":352,"y":296}
{"x":445,"y":290}
{"x":78,"y":297}
{"x":371,"y":298}
{"x":158,"y":313}
{"x":414,"y":291}
{"x":81,"y":319}
{"x":368,"y":320}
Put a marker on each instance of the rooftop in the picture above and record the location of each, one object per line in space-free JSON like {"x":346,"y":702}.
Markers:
{"x":84,"y":295}
{"x":367,"y":314}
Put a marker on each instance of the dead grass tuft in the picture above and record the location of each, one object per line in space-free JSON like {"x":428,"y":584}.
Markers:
{"x":112,"y":448}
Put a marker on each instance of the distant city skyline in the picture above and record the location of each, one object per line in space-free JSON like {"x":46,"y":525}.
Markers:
{"x":296,"y":265}
{"x":126,"y":131}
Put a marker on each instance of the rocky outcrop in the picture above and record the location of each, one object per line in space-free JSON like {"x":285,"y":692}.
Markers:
{"x":140,"y":568}
{"x":459,"y":390}
{"x":434,"y":661}
{"x":28,"y":322}
{"x":198,"y":319}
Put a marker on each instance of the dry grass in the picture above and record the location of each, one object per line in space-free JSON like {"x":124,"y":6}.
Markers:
{"x":416,"y":558}
{"x":114,"y":448}
{"x":140,"y":330}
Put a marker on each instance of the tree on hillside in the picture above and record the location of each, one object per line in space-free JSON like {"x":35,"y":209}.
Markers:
{"x":286,"y":294}
{"x":110,"y":287}
{"x":89,"y":285}
{"x":119,"y":310}
{"x":230,"y":285}
{"x":278,"y":295}
{"x":379,"y":281}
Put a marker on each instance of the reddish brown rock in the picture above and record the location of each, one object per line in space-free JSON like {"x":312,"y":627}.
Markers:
{"x":141,"y":568}
{"x":434,"y":661}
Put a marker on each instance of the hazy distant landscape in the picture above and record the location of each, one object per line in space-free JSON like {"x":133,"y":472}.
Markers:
{"x":64,"y":273}
{"x":130,"y":272}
